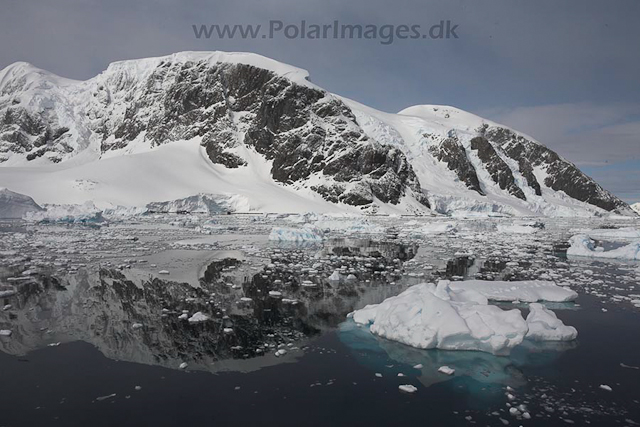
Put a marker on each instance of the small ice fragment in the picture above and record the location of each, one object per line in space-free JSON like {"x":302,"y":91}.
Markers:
{"x":138,"y":388}
{"x":407,"y":388}
{"x":198,"y":317}
{"x":605,"y":387}
{"x":446,"y":370}
{"x":378,"y":374}
{"x":101,"y":398}
{"x":183,"y":365}
{"x":5,"y":333}
{"x":137,"y":325}
{"x":163,"y":272}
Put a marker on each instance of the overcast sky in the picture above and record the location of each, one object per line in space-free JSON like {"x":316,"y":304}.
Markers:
{"x":565,"y":72}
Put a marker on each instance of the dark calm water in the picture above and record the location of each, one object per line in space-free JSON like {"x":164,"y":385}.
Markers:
{"x":340,"y":376}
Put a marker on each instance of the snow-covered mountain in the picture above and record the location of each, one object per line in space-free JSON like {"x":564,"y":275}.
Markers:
{"x":256,"y":131}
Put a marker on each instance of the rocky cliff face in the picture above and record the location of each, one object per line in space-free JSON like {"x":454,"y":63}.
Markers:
{"x":312,"y":141}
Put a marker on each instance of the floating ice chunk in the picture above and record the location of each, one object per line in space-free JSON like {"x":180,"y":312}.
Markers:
{"x":359,"y":226}
{"x":544,"y":325}
{"x":137,"y":326}
{"x":426,"y":316}
{"x":5,"y":333}
{"x":198,"y":317}
{"x":407,"y":388}
{"x":163,"y":272}
{"x":517,"y":228}
{"x":275,"y":294}
{"x":183,"y":365}
{"x":109,"y":396}
{"x":526,"y":290}
{"x":432,"y":228}
{"x":583,"y":246}
{"x":7,"y":293}
{"x":305,"y":234}
{"x":605,"y":387}
{"x":335,"y":276}
{"x":281,"y":352}
{"x":446,"y":370}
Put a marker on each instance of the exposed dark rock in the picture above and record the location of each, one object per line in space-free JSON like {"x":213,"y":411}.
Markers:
{"x":454,"y":155}
{"x":497,"y":168}
{"x":562,"y":175}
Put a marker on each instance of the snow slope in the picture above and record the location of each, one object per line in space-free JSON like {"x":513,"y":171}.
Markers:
{"x":133,"y":180}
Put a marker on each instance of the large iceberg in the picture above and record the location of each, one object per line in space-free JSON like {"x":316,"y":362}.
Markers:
{"x":428,"y":316}
{"x":304,"y":234}
{"x":202,"y":203}
{"x":524,"y":290}
{"x":583,"y":246}
{"x":84,"y":213}
{"x":16,"y":205}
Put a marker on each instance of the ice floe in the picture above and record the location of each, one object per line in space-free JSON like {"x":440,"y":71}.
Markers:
{"x":524,"y":290}
{"x":583,"y":246}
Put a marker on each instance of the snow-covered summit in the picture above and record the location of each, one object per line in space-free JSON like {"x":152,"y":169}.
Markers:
{"x":141,"y":68}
